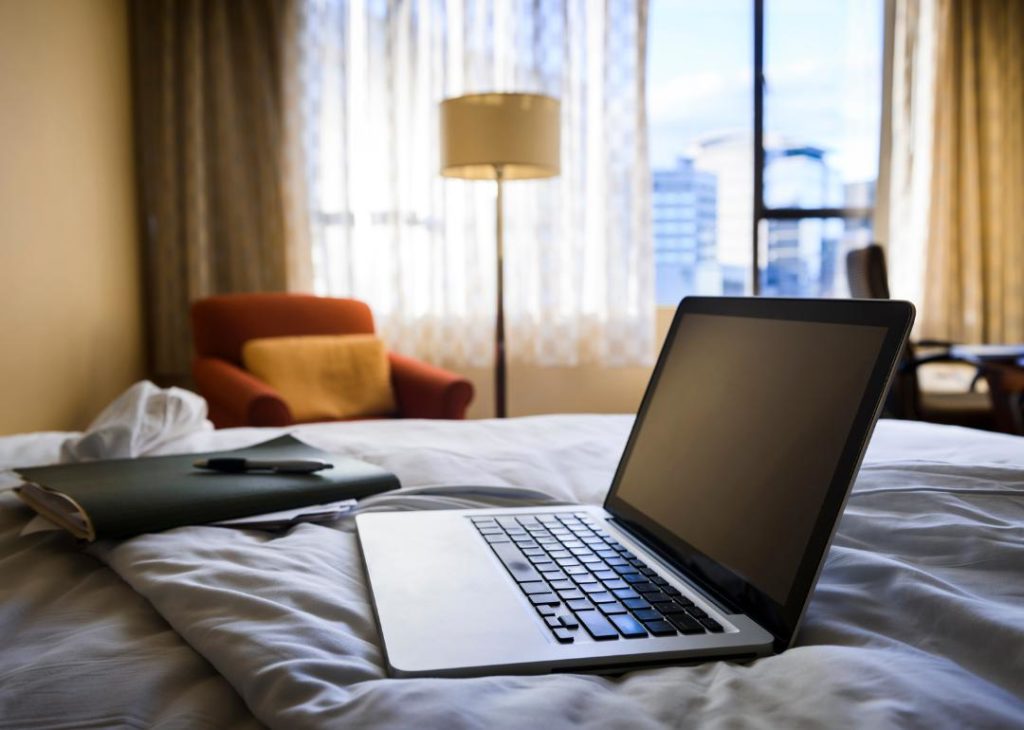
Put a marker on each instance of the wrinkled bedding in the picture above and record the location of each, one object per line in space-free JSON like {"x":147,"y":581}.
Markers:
{"x":917,"y":620}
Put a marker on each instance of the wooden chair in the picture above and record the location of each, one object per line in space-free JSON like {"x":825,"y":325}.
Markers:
{"x":222,"y":325}
{"x":868,"y":279}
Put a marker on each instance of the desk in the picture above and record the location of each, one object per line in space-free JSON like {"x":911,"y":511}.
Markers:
{"x":978,"y":354}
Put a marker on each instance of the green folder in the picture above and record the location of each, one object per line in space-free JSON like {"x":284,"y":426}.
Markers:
{"x":123,"y":497}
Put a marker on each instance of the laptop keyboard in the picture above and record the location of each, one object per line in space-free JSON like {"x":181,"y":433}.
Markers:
{"x":580,"y":578}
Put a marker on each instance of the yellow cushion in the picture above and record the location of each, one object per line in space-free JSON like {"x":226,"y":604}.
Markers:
{"x":325,"y":377}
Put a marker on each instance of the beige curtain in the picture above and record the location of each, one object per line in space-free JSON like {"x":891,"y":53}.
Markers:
{"x":974,"y":285}
{"x":219,"y":195}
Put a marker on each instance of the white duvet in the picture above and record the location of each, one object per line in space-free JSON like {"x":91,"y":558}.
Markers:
{"x":917,"y":620}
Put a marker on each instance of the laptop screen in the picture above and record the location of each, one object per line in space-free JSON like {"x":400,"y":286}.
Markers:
{"x":741,"y":435}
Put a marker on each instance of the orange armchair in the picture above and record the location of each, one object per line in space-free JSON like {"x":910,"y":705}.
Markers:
{"x":221,"y":325}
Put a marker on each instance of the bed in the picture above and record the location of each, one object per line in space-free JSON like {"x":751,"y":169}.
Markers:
{"x":917,"y":620}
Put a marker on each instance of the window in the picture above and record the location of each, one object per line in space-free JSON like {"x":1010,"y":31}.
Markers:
{"x":778,"y":178}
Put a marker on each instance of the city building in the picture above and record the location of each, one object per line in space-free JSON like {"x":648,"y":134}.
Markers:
{"x":729,"y":157}
{"x":702,"y":219}
{"x":703,"y":209}
{"x":800,"y":255}
{"x":685,"y":202}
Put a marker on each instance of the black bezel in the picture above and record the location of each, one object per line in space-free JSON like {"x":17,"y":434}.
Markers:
{"x":781,"y":619}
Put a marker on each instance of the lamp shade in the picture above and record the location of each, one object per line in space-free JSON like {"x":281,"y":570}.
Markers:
{"x":517,"y":132}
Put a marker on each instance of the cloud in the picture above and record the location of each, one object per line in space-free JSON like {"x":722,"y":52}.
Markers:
{"x":677,"y":98}
{"x":834,"y":104}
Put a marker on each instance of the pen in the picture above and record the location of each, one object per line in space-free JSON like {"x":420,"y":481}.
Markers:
{"x":234,"y":465}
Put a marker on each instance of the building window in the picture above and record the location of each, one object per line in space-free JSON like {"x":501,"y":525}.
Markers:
{"x":778,"y":177}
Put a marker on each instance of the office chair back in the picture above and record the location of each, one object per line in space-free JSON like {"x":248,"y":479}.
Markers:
{"x":866,"y":273}
{"x":868,"y":279}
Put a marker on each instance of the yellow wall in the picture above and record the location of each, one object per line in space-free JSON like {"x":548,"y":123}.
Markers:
{"x":533,"y":390}
{"x":70,"y":322}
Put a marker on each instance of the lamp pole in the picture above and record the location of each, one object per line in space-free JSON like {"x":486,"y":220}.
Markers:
{"x":499,"y":325}
{"x":500,"y":136}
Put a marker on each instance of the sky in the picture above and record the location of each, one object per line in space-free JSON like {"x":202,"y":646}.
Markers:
{"x":822,"y":68}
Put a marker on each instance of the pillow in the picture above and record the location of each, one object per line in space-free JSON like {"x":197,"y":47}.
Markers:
{"x":325,"y":377}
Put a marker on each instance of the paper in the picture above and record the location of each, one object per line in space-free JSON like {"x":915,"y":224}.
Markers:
{"x":38,"y":524}
{"x":315,"y":513}
{"x":9,"y":480}
{"x":286,"y":518}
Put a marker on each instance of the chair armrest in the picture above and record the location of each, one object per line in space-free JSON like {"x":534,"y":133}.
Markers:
{"x":939,"y":357}
{"x":916,"y":362}
{"x":425,"y":391}
{"x":236,"y":398}
{"x":934,"y":343}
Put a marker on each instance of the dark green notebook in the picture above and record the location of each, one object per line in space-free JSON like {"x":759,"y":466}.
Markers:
{"x":124,"y":497}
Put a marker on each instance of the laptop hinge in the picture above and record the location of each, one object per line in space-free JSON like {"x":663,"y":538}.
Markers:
{"x":706,"y":590}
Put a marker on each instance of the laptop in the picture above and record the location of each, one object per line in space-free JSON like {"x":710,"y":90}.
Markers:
{"x":712,"y":533}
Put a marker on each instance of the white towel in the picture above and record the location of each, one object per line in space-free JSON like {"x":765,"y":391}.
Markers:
{"x":138,"y":422}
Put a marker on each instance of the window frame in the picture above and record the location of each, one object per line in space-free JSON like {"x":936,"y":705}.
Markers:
{"x":763,"y":212}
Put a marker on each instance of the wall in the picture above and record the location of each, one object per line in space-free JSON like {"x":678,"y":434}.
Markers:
{"x":70,"y":324}
{"x":534,"y":390}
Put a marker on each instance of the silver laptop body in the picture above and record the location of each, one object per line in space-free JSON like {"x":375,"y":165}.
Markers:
{"x":714,"y":530}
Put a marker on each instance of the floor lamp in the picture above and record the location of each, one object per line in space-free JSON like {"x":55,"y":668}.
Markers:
{"x":500,"y":137}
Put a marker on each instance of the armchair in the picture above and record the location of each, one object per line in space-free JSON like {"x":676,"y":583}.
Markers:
{"x":221,"y":325}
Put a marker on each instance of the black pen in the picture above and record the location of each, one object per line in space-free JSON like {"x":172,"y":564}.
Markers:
{"x":235,"y":465}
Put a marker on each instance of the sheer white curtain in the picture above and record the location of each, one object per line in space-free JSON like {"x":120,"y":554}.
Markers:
{"x":386,"y":228}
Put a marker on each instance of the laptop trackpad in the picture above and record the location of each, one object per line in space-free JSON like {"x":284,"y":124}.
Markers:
{"x":442,"y":597}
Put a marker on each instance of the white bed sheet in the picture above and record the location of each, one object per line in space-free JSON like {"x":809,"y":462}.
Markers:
{"x":918,"y":619}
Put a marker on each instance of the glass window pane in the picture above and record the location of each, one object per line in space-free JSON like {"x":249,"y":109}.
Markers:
{"x":807,"y":257}
{"x":699,"y":105}
{"x":823,"y":95}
